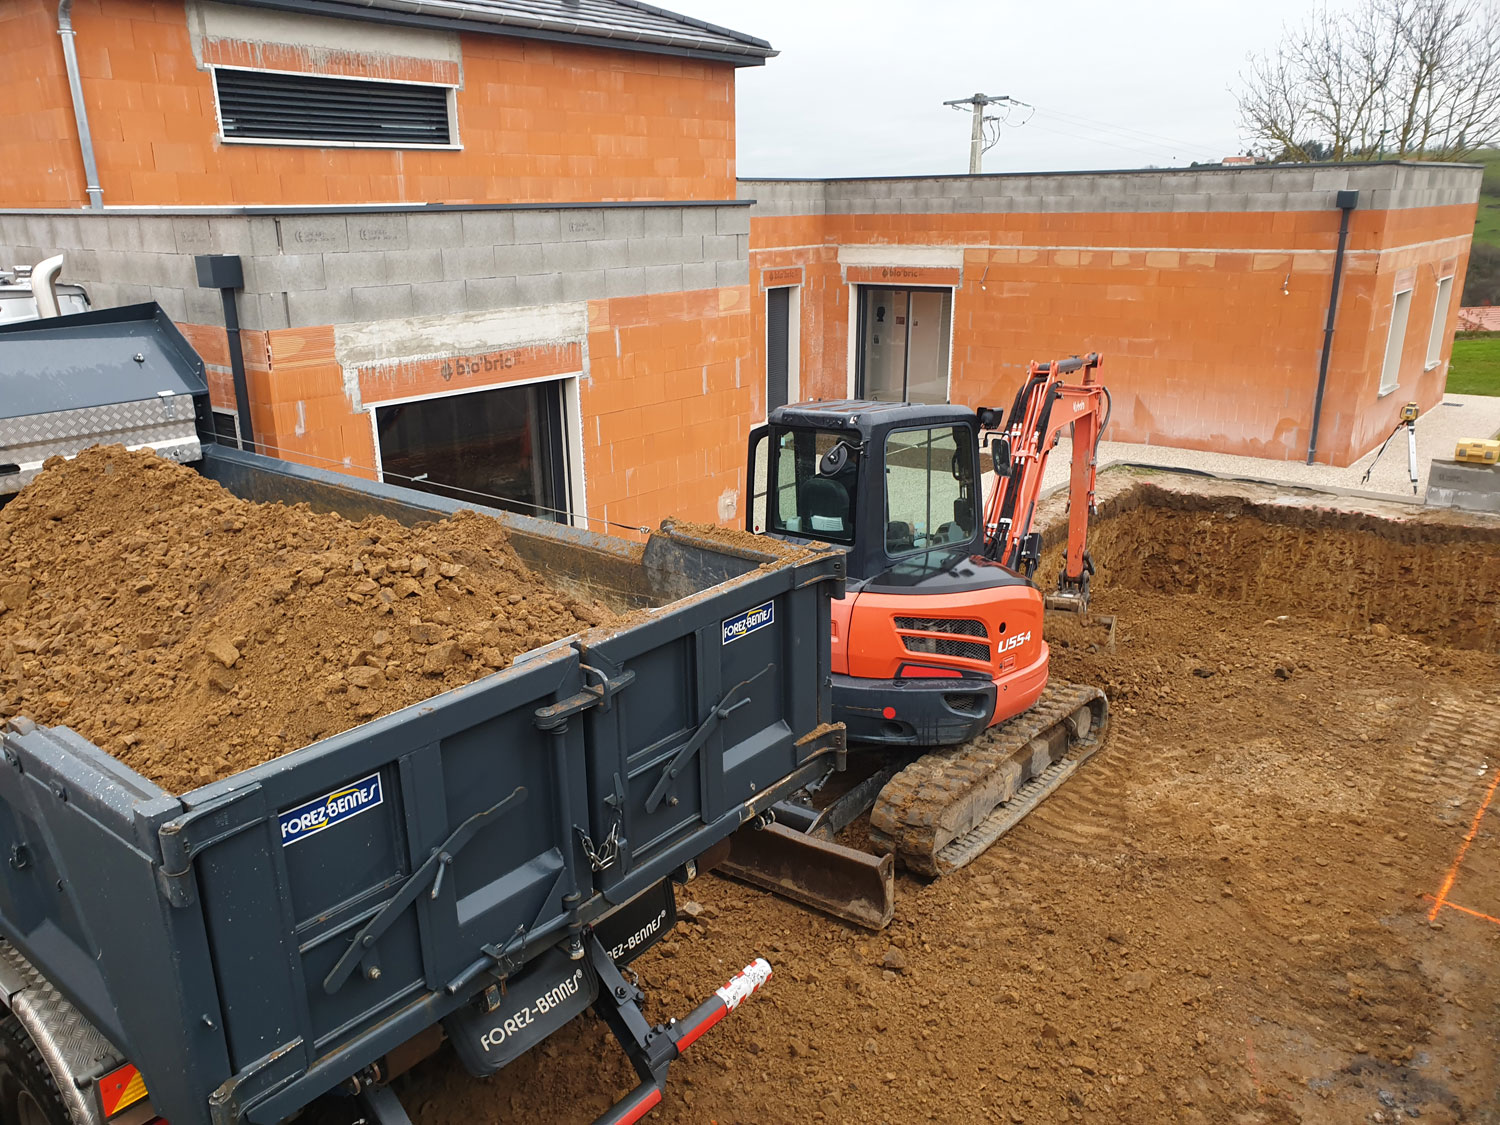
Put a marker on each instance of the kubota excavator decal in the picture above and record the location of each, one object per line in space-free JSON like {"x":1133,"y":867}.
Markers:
{"x":1012,"y":642}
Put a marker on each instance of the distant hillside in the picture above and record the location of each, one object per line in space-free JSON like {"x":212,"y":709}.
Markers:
{"x":1483,"y":284}
{"x":1487,"y":227}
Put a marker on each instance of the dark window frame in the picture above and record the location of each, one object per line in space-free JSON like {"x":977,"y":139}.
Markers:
{"x":373,"y":87}
{"x":553,"y":430}
{"x":861,"y":290}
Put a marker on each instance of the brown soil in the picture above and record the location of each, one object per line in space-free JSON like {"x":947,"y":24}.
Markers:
{"x":193,"y":634}
{"x":738,"y":541}
{"x":1221,"y":918}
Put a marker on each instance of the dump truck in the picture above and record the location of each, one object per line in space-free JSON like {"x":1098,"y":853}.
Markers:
{"x":477,"y":868}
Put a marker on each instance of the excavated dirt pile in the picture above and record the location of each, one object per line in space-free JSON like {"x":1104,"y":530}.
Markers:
{"x":1224,"y":918}
{"x":193,"y":634}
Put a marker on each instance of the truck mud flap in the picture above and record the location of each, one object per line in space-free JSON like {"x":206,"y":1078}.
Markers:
{"x":508,"y":1020}
{"x":850,"y":885}
{"x":638,"y":925}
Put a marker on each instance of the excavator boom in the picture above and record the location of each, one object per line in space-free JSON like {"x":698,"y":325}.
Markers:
{"x":1046,"y":404}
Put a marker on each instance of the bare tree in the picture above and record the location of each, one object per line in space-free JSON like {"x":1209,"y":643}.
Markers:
{"x":1402,"y":78}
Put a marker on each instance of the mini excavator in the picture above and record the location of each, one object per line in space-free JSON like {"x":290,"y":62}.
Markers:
{"x":939,"y":660}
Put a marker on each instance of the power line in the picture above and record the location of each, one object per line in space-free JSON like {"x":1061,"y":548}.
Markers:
{"x":986,"y":131}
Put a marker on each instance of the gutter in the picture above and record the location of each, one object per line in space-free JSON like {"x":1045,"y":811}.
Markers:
{"x":80,"y":112}
{"x":466,"y":15}
{"x":1347,"y":201}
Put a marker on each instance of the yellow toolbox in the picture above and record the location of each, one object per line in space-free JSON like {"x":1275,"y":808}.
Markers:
{"x":1478,"y":452}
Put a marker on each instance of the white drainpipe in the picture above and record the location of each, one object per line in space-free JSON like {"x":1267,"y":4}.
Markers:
{"x":80,"y":114}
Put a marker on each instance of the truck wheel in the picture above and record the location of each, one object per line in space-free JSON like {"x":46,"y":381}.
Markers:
{"x":28,"y":1096}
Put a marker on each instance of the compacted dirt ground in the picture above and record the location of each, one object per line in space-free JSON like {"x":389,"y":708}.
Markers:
{"x":1226,"y":916}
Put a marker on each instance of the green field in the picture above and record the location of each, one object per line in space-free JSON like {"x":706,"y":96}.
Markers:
{"x":1487,"y":226}
{"x":1475,"y":369}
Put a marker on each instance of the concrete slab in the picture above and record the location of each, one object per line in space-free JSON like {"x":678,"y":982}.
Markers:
{"x":1438,"y":431}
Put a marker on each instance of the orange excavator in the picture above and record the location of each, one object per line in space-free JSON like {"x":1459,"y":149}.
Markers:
{"x":939,"y":659}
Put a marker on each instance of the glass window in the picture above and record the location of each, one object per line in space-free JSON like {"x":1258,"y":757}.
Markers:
{"x":903,"y":345}
{"x":500,"y":447}
{"x":806,"y":504}
{"x":1395,"y":341}
{"x":929,"y":489}
{"x":1439,"y":322}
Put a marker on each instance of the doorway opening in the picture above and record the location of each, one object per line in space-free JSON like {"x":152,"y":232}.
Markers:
{"x":783,"y":345}
{"x":903,"y":353}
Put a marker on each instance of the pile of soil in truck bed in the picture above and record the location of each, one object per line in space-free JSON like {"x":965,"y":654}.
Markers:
{"x":193,"y":634}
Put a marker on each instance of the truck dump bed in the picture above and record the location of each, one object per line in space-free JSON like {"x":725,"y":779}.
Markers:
{"x":255,"y":942}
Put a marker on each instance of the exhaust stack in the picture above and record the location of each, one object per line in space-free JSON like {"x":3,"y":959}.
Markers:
{"x":44,"y":286}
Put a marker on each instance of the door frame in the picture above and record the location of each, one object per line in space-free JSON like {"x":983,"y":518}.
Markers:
{"x":855,"y":377}
{"x":793,"y":345}
{"x":571,"y":423}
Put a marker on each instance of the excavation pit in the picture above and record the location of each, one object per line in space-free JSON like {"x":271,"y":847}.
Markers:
{"x":1225,"y":916}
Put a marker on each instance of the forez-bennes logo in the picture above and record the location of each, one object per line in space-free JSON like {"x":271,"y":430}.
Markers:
{"x":742,"y":625}
{"x":639,"y":938}
{"x":527,"y":1015}
{"x":332,"y":808}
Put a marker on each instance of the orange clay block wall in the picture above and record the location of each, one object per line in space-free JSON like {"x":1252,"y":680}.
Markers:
{"x":539,"y":122}
{"x":1212,"y":323}
{"x":667,"y":402}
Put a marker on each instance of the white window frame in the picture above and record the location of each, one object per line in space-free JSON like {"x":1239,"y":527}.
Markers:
{"x":793,"y":343}
{"x":234,"y":415}
{"x":1390,"y":368}
{"x":455,"y":143}
{"x":577,"y":514}
{"x":851,"y":378}
{"x":1442,"y":303}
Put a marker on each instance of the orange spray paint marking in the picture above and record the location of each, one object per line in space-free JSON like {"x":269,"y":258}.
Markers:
{"x":1472,"y":913}
{"x":1447,"y":886}
{"x":1260,"y":1094}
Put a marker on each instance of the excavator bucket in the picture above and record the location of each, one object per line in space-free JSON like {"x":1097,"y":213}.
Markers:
{"x":1070,"y":601}
{"x":847,"y":884}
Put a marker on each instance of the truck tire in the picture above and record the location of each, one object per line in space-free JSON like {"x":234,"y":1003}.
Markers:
{"x":28,"y":1095}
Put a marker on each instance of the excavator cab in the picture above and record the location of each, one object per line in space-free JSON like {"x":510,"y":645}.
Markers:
{"x":895,"y":483}
{"x":930,"y":634}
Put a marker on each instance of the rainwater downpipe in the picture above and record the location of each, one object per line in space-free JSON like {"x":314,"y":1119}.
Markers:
{"x":80,"y":113}
{"x":1347,"y":201}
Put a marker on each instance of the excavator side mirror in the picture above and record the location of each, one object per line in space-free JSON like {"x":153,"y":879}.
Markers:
{"x":832,"y":463}
{"x":1000,"y":456}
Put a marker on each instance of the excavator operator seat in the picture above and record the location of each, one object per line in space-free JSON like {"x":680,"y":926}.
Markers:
{"x":824,"y":502}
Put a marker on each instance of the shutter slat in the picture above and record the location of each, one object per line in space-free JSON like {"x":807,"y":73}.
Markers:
{"x":303,"y":107}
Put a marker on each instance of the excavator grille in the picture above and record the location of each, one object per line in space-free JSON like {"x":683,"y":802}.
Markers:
{"x":943,"y":646}
{"x":958,"y":626}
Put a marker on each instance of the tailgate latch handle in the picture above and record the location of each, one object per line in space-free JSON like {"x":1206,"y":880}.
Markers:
{"x":555,"y":716}
{"x":431,"y":871}
{"x":721,"y":710}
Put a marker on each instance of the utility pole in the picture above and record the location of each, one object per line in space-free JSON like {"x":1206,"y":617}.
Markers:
{"x":986,"y":131}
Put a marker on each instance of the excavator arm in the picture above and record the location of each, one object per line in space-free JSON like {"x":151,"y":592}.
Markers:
{"x":1053,"y":396}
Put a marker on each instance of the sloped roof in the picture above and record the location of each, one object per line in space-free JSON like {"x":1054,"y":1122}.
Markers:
{"x":623,"y":24}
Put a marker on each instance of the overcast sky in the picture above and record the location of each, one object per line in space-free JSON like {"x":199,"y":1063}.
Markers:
{"x":858,"y":88}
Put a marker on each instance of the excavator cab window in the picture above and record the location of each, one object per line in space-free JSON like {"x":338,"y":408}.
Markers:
{"x":929,"y":489}
{"x":816,"y":474}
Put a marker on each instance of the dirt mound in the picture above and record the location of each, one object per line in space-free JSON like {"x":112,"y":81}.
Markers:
{"x":1434,"y":582}
{"x":1220,"y":920}
{"x":193,"y":634}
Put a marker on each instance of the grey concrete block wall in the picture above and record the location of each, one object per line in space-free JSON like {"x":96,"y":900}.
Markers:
{"x":335,"y":267}
{"x":1260,"y":188}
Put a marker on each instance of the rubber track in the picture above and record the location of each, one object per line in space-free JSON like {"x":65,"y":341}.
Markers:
{"x":942,"y":811}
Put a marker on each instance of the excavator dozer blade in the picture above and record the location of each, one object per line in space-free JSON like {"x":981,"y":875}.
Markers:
{"x":847,"y":884}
